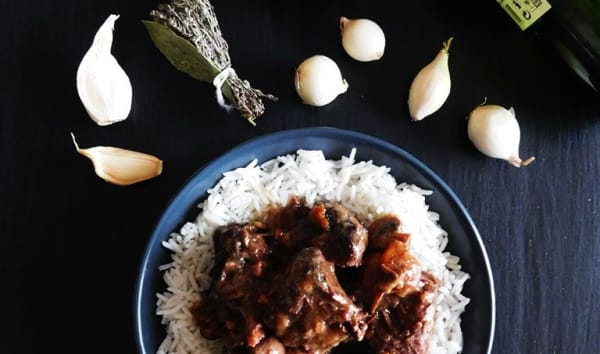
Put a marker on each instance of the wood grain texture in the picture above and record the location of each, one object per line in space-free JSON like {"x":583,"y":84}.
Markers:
{"x":71,"y":244}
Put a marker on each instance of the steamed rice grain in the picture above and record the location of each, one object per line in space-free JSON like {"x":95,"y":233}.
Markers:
{"x":363,"y":187}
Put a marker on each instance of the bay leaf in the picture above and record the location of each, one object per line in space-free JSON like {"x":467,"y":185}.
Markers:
{"x":181,"y":53}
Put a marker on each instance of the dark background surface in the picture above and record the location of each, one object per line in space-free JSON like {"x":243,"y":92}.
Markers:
{"x":71,"y":244}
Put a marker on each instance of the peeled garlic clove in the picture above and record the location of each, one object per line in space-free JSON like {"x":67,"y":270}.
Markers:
{"x":431,"y":87}
{"x":103,"y":86}
{"x":318,"y":81}
{"x":362,"y":39}
{"x":120,"y":166}
{"x":495,"y":131}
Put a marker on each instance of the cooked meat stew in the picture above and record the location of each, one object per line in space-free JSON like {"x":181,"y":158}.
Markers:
{"x":315,"y":280}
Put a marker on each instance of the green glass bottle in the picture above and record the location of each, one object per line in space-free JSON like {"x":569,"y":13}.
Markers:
{"x":571,"y":26}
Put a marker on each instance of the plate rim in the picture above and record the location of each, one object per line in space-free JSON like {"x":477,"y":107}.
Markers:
{"x":321,"y":131}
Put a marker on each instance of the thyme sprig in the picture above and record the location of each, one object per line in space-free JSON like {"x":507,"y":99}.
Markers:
{"x":187,"y":32}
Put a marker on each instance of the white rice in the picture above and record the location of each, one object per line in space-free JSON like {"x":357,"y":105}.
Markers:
{"x":367,"y":189}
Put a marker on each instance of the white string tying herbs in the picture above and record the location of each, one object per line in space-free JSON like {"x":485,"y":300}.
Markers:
{"x":218,"y":82}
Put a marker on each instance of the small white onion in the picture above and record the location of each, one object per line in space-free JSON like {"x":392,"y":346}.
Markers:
{"x":431,"y":87}
{"x":362,"y":39}
{"x":318,"y":81}
{"x":495,"y":132}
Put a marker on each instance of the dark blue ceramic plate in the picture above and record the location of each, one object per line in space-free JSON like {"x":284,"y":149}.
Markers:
{"x":464,"y":240}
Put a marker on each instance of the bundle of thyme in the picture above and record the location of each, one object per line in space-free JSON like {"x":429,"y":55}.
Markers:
{"x":187,"y":33}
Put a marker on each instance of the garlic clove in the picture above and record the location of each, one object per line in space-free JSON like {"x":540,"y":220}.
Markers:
{"x":431,"y":87}
{"x":362,"y":39}
{"x":103,"y":86}
{"x":495,"y":132}
{"x":318,"y":81}
{"x":120,"y":166}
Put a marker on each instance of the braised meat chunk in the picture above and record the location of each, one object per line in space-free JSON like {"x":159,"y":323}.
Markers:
{"x":291,"y":226}
{"x":345,"y":239}
{"x":308,"y":309}
{"x":403,"y":325}
{"x":228,"y":309}
{"x":328,"y":226}
{"x":398,"y":293}
{"x":241,"y":253}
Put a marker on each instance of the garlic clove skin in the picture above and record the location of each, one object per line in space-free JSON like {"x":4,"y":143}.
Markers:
{"x":103,"y":86}
{"x":120,"y":166}
{"x":495,"y":132}
{"x":318,"y":81}
{"x":431,"y":87}
{"x":362,"y":39}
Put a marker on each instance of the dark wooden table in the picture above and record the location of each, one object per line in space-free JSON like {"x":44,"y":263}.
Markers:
{"x":71,"y":244}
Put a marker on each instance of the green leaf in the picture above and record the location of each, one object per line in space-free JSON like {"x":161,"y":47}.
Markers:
{"x":180,"y":52}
